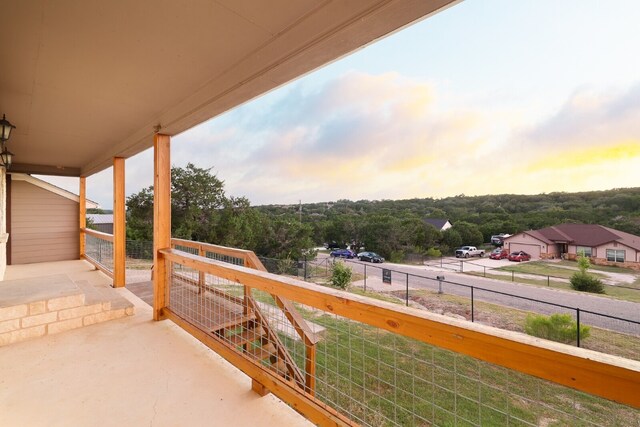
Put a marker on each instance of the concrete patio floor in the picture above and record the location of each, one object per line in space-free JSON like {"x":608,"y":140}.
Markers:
{"x":128,"y":372}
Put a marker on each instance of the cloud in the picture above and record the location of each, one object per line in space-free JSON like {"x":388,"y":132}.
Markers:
{"x":364,"y":136}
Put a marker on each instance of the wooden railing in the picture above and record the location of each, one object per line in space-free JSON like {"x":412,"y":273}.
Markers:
{"x":250,"y":260}
{"x":87,"y":254}
{"x":598,"y":374}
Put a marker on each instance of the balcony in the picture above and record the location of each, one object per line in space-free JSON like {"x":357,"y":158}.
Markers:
{"x":129,"y":371}
{"x":225,"y":332}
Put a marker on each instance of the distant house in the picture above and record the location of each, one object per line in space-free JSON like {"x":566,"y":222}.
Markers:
{"x":439,"y":224}
{"x":101,"y":222}
{"x":42,"y":221}
{"x":603,"y":245}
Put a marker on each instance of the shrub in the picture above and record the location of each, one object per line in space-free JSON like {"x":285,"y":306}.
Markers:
{"x":585,"y":282}
{"x":557,"y":327}
{"x":286,"y":266}
{"x":340,"y":275}
{"x":433,"y":253}
{"x":396,"y":256}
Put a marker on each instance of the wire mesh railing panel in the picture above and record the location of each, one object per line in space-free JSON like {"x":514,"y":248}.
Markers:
{"x":188,"y":249}
{"x":139,"y":261}
{"x":100,"y":251}
{"x":376,"y":377}
{"x":224,"y":258}
{"x":601,"y":332}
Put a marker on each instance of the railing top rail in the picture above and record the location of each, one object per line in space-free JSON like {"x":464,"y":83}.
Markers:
{"x":98,"y":234}
{"x":225,"y":250}
{"x":603,"y":375}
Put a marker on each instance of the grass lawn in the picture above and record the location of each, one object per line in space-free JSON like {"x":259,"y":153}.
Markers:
{"x":611,"y":291}
{"x":380,"y":378}
{"x":544,"y":269}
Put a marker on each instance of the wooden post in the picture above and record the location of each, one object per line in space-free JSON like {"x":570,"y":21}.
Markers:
{"x":201,"y":275}
{"x":310,"y":368}
{"x":119,"y":230}
{"x":161,"y":219}
{"x":83,"y":214}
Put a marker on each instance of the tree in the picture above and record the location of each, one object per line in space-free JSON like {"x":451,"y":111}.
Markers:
{"x":582,"y":280}
{"x":201,"y":211}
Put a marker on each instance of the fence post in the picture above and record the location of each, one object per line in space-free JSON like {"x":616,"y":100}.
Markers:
{"x":512,"y":275}
{"x":365,"y":277}
{"x":548,"y":281}
{"x":461,"y":267}
{"x":440,"y":261}
{"x":407,"y":290}
{"x":578,"y":326}
{"x":305,"y":268}
{"x":472,"y":316}
{"x":485,"y":271}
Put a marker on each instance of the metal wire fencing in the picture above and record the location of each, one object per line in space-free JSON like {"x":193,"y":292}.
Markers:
{"x":587,"y":328}
{"x":100,"y":251}
{"x":376,"y":377}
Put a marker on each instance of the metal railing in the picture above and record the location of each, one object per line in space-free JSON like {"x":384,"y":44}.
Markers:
{"x":99,"y":250}
{"x":377,"y":363}
{"x":611,"y":333}
{"x":468,"y":266}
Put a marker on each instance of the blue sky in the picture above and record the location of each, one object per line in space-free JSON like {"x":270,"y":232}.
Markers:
{"x":485,"y":97}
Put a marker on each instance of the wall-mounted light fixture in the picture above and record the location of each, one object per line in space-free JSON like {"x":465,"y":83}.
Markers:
{"x":6,"y":156}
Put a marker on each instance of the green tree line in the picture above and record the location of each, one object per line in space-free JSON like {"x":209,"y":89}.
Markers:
{"x":202,"y":211}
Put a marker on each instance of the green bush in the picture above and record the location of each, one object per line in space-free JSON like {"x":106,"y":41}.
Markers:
{"x":396,"y":256}
{"x":433,"y":253}
{"x":340,"y":275}
{"x":585,"y":282}
{"x":557,"y":327}
{"x":286,"y":266}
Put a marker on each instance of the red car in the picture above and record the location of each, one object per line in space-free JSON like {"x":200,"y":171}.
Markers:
{"x":519,"y":256}
{"x":499,"y":254}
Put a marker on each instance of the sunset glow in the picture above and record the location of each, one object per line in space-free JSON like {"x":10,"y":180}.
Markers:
{"x":485,"y":97}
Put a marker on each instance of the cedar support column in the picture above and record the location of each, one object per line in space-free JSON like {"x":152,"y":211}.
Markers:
{"x":83,"y":213}
{"x":119,"y":227}
{"x":161,"y":219}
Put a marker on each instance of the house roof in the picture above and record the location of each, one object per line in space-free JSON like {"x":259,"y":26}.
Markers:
{"x":590,"y":235}
{"x":87,"y":81}
{"x":436,"y":222}
{"x":101,"y":218}
{"x":90,"y":204}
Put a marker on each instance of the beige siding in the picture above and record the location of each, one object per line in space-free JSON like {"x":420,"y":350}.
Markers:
{"x":527,"y":243}
{"x":631,"y":255}
{"x":44,"y":225}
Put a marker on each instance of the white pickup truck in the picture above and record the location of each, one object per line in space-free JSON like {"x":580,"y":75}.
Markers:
{"x":468,"y":251}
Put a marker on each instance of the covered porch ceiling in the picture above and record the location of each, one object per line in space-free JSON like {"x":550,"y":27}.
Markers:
{"x":86,"y":81}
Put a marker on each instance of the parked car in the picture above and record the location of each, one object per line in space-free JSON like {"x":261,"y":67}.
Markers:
{"x":343,"y":253}
{"x":332,"y":245}
{"x":467,"y":251}
{"x":370,"y":256}
{"x":498,"y":239}
{"x":499,"y":253}
{"x":519,"y":256}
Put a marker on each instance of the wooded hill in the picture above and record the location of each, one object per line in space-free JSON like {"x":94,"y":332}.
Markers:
{"x":345,"y":220}
{"x":202,"y":211}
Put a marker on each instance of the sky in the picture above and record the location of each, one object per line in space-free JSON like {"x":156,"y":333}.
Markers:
{"x":486,"y":97}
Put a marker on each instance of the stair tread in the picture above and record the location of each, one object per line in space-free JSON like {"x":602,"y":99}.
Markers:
{"x":247,"y":336}
{"x":234,"y":322}
{"x":262,"y":353}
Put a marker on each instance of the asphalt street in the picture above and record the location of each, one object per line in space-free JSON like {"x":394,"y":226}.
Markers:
{"x":594,"y":309}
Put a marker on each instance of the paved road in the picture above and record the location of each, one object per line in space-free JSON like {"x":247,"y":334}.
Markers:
{"x":488,"y":290}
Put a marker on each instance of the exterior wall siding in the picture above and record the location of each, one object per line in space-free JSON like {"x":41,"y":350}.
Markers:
{"x":44,"y":225}
{"x":517,"y":241}
{"x":631,"y":259}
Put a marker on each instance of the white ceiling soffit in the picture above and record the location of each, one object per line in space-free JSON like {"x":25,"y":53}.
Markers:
{"x":86,"y":81}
